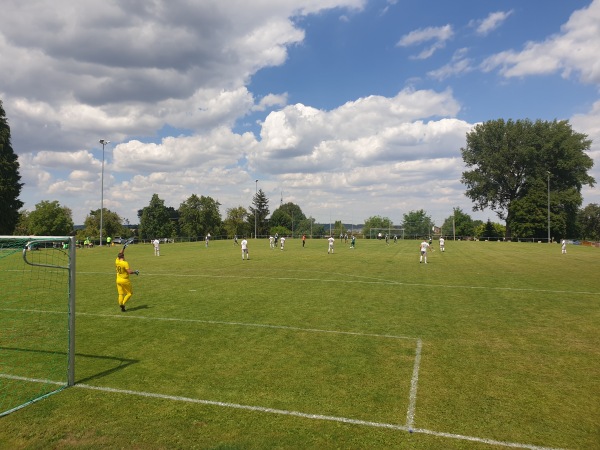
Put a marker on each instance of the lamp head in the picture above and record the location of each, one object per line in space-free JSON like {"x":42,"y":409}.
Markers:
{"x":104,"y":142}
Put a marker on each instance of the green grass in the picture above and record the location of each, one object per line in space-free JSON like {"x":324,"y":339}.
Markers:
{"x":509,"y":336}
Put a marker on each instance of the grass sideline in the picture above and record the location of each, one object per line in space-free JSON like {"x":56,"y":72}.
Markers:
{"x":491,"y":344}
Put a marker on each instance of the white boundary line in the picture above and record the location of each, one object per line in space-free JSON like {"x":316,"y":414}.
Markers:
{"x":376,"y":281}
{"x":291,"y":413}
{"x":410,"y":415}
{"x":412,"y":403}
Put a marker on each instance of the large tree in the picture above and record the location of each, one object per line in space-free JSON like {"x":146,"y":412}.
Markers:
{"x":111,"y":222}
{"x":10,"y":186}
{"x":199,"y":216}
{"x":50,"y":219}
{"x":510,"y":161}
{"x":459,"y":224}
{"x":416,"y":224}
{"x":258,"y":213}
{"x":588,"y":220}
{"x":155,"y":220}
{"x":376,"y":222}
{"x":288,"y":215}
{"x":235,"y":224}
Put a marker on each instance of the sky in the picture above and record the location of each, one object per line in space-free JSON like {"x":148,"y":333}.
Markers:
{"x":348,"y":108}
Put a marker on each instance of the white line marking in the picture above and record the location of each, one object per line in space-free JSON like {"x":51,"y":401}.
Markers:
{"x":292,"y":413}
{"x":216,"y":322}
{"x":410,"y":414}
{"x":337,"y":280}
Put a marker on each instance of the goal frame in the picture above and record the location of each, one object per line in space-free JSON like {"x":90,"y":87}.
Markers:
{"x":30,"y":241}
{"x":389,"y":231}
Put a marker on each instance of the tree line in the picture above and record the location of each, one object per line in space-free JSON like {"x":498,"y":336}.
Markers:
{"x":529,"y":173}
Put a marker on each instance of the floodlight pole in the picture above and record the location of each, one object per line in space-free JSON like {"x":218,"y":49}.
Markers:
{"x":255,"y":211}
{"x":104,"y":143}
{"x":548,"y":206}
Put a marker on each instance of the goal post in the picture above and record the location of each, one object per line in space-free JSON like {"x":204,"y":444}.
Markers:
{"x":374,"y":233}
{"x":37,"y":318}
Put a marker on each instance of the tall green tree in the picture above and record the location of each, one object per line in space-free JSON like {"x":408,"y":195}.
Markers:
{"x":259,"y":211}
{"x":199,"y":216}
{"x":309,"y":228}
{"x":375,"y":222}
{"x":155,"y":220}
{"x":235,"y":223}
{"x":416,"y":224}
{"x":288,"y":215}
{"x":10,"y":186}
{"x":511,"y":160}
{"x":588,"y":220}
{"x":459,"y":224}
{"x":111,"y":222}
{"x":50,"y":219}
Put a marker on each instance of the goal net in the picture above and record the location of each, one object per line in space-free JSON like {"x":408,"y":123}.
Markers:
{"x":37,"y":318}
{"x":381,"y":233}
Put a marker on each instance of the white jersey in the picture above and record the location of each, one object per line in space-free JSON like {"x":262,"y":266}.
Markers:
{"x":244,"y":245}
{"x":424,"y":247}
{"x":441,"y":242}
{"x":331,"y":241}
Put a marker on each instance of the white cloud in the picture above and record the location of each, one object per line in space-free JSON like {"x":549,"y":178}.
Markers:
{"x":365,"y":132}
{"x":437,"y":34}
{"x":574,"y":49}
{"x":491,"y":22}
{"x":459,"y":65}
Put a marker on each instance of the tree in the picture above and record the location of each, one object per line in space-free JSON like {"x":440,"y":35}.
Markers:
{"x":588,"y":220}
{"x":10,"y":187}
{"x":50,"y":219}
{"x":235,"y":224}
{"x":510,"y":160}
{"x":376,"y":222}
{"x":199,"y":216}
{"x":155,"y":220}
{"x":309,"y":228}
{"x":459,"y":224}
{"x":111,"y":221}
{"x":258,"y":213}
{"x":287,"y":216}
{"x":417,"y":224}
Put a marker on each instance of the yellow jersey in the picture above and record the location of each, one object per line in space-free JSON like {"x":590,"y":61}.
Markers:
{"x":122,"y":269}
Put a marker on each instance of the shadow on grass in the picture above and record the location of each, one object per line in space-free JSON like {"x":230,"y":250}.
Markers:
{"x":117,"y":363}
{"x":136,"y":308}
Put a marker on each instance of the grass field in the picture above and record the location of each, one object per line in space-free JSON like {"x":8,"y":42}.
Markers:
{"x":489,"y":345}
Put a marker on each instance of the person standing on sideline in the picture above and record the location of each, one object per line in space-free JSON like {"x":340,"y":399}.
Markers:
{"x":108,"y":239}
{"x":442,"y":243}
{"x":424,"y":248}
{"x":303,"y":240}
{"x":331,"y":240}
{"x":235,"y":242}
{"x":563,"y":246}
{"x":245,"y":249}
{"x":124,"y":287}
{"x":156,"y":244}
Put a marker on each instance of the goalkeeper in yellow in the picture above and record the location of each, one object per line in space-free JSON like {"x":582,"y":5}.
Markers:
{"x":124,"y":287}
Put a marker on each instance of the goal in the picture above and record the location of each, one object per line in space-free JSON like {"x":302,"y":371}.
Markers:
{"x":380,"y":233}
{"x":37,"y":318}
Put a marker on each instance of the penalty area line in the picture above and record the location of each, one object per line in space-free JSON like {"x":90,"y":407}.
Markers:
{"x":292,"y":413}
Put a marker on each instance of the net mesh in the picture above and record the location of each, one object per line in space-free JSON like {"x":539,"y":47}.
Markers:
{"x":34,"y":325}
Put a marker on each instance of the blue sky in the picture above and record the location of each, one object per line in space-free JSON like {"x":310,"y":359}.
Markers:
{"x":349,"y":108}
